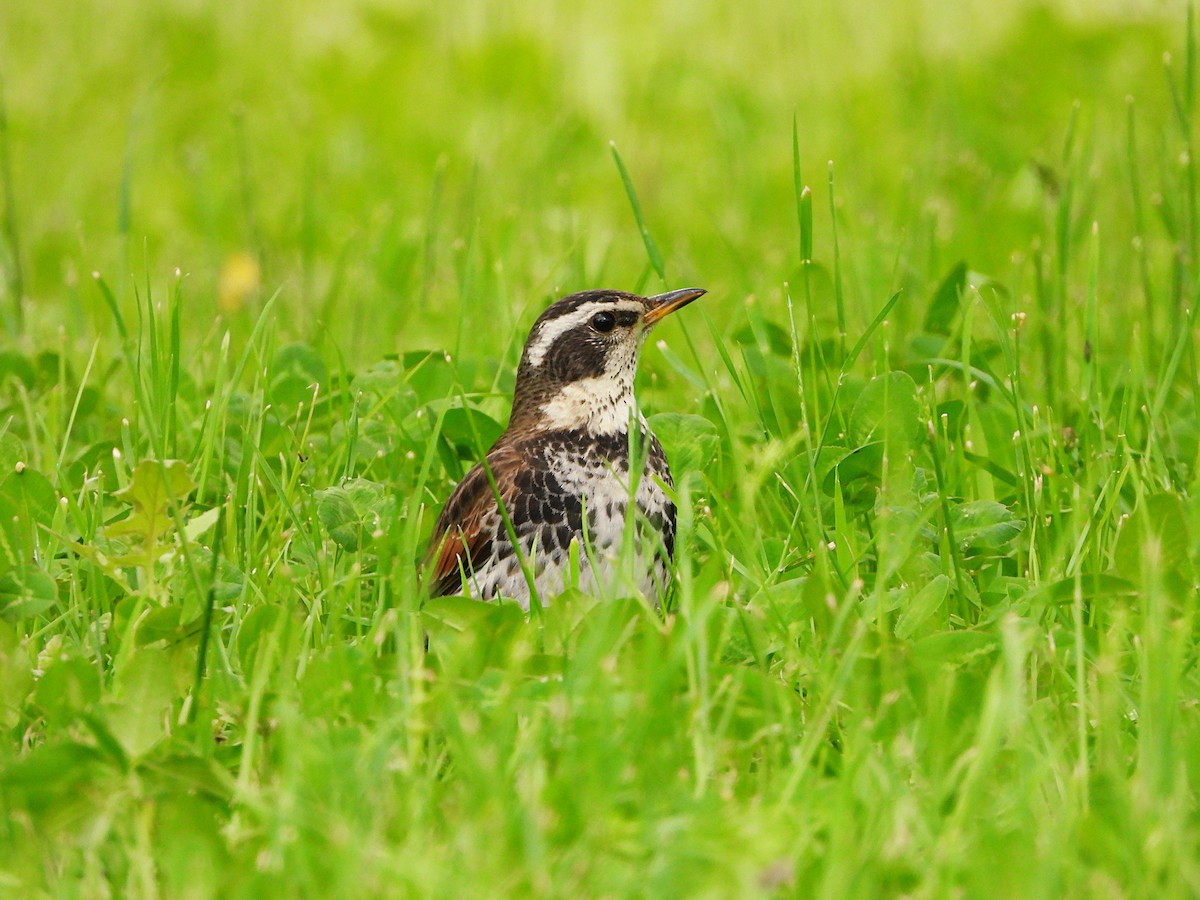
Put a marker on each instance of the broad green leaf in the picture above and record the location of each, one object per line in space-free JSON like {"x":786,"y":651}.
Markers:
{"x":152,"y":488}
{"x":741,"y":635}
{"x":340,"y":682}
{"x":297,"y":371}
{"x":887,"y":410}
{"x":354,"y":511}
{"x":143,"y":691}
{"x":468,"y":636}
{"x":559,"y":620}
{"x":985,"y":525}
{"x":386,"y":381}
{"x":381,"y":378}
{"x":55,"y":777}
{"x":468,"y":429}
{"x":190,"y":854}
{"x":27,"y":503}
{"x":26,"y":591}
{"x":461,"y":614}
{"x":66,"y":689}
{"x":856,"y":471}
{"x":690,"y":442}
{"x":954,"y":647}
{"x":160,"y":624}
{"x":16,"y":673}
{"x":603,"y":628}
{"x":906,"y":527}
{"x":1155,"y":537}
{"x":228,"y":587}
{"x":200,"y":525}
{"x":917,"y":611}
{"x":12,"y":451}
{"x":340,"y":517}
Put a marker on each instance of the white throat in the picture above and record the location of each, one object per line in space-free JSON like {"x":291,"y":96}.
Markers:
{"x":601,"y":405}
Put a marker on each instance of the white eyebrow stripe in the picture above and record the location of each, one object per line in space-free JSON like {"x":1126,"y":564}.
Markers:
{"x":549,"y":332}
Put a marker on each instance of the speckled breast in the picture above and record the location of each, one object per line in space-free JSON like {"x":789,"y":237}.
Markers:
{"x":575,"y":490}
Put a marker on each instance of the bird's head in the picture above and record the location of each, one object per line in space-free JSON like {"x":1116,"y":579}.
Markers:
{"x":580,"y":358}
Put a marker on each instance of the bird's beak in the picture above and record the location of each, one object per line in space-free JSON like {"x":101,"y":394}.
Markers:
{"x":665,"y":304}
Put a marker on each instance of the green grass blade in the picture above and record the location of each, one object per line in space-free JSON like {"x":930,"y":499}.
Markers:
{"x":652,"y":251}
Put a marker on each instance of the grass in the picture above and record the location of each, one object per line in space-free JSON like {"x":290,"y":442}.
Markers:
{"x":934,"y":429}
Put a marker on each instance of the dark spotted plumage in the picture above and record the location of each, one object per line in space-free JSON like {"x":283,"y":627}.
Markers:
{"x":562,"y":469}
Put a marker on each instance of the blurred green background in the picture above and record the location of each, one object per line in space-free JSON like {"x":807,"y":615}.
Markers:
{"x":935,"y":626}
{"x":392,"y":167}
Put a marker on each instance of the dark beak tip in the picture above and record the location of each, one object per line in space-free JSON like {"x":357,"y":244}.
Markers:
{"x":664,"y":304}
{"x":683,"y":294}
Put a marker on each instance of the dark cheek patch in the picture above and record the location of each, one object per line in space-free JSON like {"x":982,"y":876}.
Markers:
{"x":571,"y":359}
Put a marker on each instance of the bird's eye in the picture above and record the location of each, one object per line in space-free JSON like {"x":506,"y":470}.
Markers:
{"x":604,"y":322}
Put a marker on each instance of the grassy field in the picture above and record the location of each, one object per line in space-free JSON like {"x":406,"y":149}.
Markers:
{"x":267,"y":268}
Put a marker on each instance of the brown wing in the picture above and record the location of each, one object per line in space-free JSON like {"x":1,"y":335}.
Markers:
{"x":459,"y":541}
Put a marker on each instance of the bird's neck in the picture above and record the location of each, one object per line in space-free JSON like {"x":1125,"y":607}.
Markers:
{"x":602,"y":405}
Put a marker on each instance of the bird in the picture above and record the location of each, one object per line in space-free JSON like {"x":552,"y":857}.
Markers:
{"x":574,"y":455}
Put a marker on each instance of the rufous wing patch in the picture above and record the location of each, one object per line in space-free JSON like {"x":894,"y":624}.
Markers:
{"x":459,"y":542}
